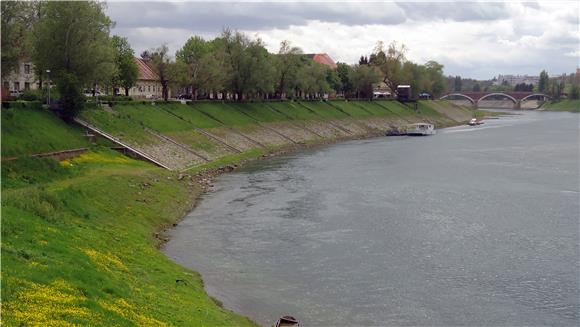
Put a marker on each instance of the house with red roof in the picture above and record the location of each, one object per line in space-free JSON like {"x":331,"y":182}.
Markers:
{"x":322,"y":58}
{"x":147,"y":85}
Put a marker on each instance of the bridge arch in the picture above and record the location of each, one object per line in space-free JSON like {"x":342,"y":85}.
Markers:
{"x":459,"y":95}
{"x":498,"y":93}
{"x":535,"y":94}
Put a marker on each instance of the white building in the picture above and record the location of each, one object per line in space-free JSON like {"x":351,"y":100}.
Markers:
{"x":517,"y":79}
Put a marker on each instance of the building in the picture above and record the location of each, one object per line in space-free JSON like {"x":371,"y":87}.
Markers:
{"x":322,"y":58}
{"x":148,"y":84}
{"x":516,"y":79}
{"x":22,"y":79}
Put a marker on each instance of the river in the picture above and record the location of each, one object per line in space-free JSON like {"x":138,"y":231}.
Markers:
{"x":472,"y":226}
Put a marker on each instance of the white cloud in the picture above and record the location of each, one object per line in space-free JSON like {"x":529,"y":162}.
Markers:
{"x":471,"y":39}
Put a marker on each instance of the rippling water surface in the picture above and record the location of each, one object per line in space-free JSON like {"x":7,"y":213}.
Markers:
{"x":472,"y":226}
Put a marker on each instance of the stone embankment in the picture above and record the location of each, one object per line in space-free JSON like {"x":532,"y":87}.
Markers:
{"x":180,"y":137}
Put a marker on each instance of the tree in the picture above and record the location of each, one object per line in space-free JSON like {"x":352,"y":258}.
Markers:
{"x":390,"y":63}
{"x":160,"y":63}
{"x":457,"y":85}
{"x":72,"y":38}
{"x":543,"y":82}
{"x":249,"y":65}
{"x":312,"y":79}
{"x":362,"y":78}
{"x":72,"y":99}
{"x":17,"y":17}
{"x":288,"y":62}
{"x":127,"y":71}
{"x":197,"y":56}
{"x":476,"y":87}
{"x":343,"y":71}
{"x":333,"y":80}
{"x":436,"y":83}
{"x":574,"y":92}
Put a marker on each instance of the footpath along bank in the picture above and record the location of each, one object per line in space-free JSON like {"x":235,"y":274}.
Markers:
{"x":80,"y":237}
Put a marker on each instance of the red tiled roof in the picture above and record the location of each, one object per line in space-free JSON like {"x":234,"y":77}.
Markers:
{"x":323,"y":58}
{"x":145,"y":72}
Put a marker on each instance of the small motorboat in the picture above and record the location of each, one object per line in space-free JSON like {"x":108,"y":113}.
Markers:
{"x":287,"y":321}
{"x":421,"y":129}
{"x":474,"y":122}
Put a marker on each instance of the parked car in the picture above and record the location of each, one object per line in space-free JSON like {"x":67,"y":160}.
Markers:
{"x":15,"y":93}
{"x":89,"y":93}
{"x":184,"y":97}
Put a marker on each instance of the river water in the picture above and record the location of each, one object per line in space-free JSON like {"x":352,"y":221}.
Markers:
{"x":472,"y":226}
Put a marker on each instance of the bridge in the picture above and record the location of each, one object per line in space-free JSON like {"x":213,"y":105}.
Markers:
{"x":516,"y":97}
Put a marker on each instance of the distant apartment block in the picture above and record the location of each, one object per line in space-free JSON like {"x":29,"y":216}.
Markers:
{"x":517,"y":79}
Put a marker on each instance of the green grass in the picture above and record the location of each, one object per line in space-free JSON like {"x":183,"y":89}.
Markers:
{"x":78,"y":246}
{"x":30,"y":129}
{"x":293,"y":110}
{"x":563,"y":105}
{"x":350,"y":109}
{"x":123,"y":126}
{"x":259,"y":111}
{"x":192,"y":115}
{"x":324,"y":110}
{"x":224,"y":114}
{"x":154,"y":117}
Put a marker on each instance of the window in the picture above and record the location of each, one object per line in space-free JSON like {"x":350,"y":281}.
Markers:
{"x":16,"y":86}
{"x":38,"y":86}
{"x":148,"y":88}
{"x":26,"y":86}
{"x":6,"y":86}
{"x":26,"y":68}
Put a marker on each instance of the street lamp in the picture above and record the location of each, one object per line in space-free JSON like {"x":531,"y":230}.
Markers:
{"x":48,"y":73}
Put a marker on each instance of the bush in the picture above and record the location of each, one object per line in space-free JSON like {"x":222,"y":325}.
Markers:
{"x":71,"y":97}
{"x":32,"y":95}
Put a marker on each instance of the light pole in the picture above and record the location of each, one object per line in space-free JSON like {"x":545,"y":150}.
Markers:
{"x":48,"y":73}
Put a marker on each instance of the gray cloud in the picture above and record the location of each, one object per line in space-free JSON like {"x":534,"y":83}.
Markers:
{"x":461,"y":12}
{"x":205,"y":17}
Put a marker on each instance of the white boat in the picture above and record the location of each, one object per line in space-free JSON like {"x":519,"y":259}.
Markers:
{"x":421,"y":129}
{"x":475,"y":122}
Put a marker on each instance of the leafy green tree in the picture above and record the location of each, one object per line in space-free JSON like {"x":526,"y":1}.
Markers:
{"x":17,"y":18}
{"x":288,"y":63}
{"x":249,"y":65}
{"x":127,"y":71}
{"x":343,"y":70}
{"x":312,"y":79}
{"x":476,"y":87}
{"x":198,"y":56}
{"x":72,"y":99}
{"x":544,"y":81}
{"x":436,"y":83}
{"x":72,"y":38}
{"x":333,"y":80}
{"x":362,"y":78}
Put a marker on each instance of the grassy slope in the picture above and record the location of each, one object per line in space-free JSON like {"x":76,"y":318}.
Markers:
{"x":33,"y":130}
{"x":564,"y":105}
{"x":78,"y":245}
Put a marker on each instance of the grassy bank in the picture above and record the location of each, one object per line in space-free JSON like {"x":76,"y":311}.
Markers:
{"x":80,"y":237}
{"x":564,"y":105}
{"x":79,"y":245}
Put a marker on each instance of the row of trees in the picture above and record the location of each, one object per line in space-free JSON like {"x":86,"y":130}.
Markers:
{"x":72,"y":40}
{"x":235,"y":64}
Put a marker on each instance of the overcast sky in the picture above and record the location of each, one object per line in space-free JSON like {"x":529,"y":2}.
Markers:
{"x":471,"y":39}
